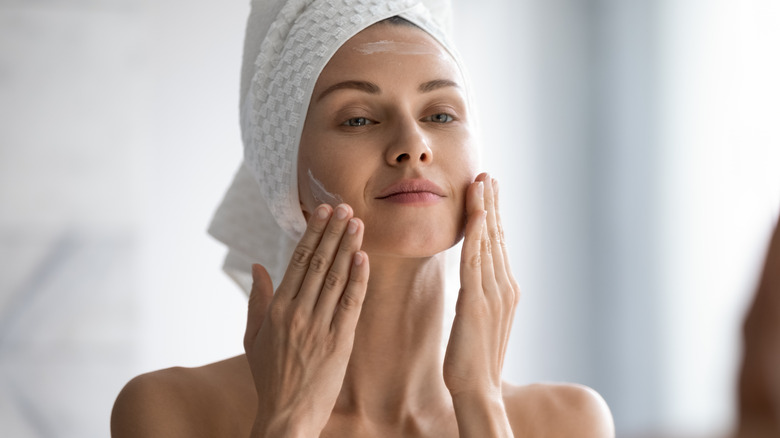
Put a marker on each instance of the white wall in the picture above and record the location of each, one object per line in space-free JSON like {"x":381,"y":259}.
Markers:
{"x":119,"y":135}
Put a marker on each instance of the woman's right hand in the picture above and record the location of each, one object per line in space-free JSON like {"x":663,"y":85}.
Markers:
{"x":298,"y":346}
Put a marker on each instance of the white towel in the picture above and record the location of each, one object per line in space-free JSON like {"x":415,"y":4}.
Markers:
{"x":287,"y":45}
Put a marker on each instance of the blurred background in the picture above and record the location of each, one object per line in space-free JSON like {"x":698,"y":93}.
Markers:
{"x":637,"y":144}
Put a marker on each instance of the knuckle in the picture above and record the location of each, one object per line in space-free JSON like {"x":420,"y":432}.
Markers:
{"x":495,"y":235}
{"x":276,"y":313}
{"x":300,"y":257}
{"x":475,"y":261}
{"x":507,"y":295}
{"x":501,"y":231}
{"x":487,"y":245}
{"x":517,"y":292}
{"x":334,"y":280}
{"x":350,"y":301}
{"x":319,"y":263}
{"x":298,"y":321}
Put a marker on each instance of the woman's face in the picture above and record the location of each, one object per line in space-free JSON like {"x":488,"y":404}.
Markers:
{"x":389,"y":133}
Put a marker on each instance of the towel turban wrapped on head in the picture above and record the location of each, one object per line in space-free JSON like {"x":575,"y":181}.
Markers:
{"x":287,"y":45}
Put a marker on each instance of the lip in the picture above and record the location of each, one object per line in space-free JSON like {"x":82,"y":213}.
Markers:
{"x":412,"y":191}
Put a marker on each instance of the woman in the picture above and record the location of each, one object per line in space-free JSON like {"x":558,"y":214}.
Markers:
{"x":375,"y":185}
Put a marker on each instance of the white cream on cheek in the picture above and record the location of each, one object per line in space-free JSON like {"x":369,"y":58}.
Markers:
{"x":321,"y":194}
{"x":396,"y":47}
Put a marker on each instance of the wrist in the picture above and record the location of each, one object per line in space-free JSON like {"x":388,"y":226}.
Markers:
{"x":488,"y":399}
{"x":481,"y":413}
{"x":475,"y":391}
{"x":282,"y":426}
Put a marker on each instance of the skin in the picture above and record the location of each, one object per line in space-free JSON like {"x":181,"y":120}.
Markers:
{"x":349,"y":345}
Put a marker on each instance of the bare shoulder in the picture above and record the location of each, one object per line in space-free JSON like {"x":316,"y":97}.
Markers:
{"x":557,"y":410}
{"x":186,"y":402}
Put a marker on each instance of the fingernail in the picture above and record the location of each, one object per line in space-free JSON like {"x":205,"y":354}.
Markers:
{"x":341,"y":211}
{"x":481,"y":190}
{"x":352,"y":226}
{"x":358,"y":259}
{"x":322,"y":212}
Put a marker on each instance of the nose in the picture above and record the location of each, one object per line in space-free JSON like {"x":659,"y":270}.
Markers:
{"x":410,"y":146}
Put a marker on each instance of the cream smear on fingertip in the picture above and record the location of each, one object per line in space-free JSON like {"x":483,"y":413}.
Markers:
{"x":321,"y":194}
{"x":395,"y":47}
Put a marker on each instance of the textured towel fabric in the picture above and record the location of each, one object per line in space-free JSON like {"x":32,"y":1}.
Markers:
{"x":287,"y":45}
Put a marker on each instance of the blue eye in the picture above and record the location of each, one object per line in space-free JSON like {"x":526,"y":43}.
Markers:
{"x":441,"y":118}
{"x":357,"y":121}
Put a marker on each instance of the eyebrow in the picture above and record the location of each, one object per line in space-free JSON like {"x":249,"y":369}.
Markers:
{"x":435,"y":84}
{"x":371,"y":88}
{"x":364,"y":86}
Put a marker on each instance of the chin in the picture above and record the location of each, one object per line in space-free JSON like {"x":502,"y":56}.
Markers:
{"x":414,"y":244}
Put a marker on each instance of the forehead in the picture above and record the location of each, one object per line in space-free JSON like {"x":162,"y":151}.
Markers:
{"x":387,"y":47}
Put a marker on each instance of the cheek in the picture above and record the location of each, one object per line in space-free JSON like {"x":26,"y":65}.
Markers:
{"x":319,"y":192}
{"x":316,"y":186}
{"x":330,"y":181}
{"x":463,"y":166}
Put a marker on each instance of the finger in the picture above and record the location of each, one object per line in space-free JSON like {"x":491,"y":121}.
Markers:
{"x":475,"y":196}
{"x":338,"y":276}
{"x":487,"y":271}
{"x":301,"y":257}
{"x":515,"y":289}
{"x":502,"y":237}
{"x":470,"y":256}
{"x":351,"y":301}
{"x":259,"y":299}
{"x":504,"y":287}
{"x":494,"y":234}
{"x":323,"y":257}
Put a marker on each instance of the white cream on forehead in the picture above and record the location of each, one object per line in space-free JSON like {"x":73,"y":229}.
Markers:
{"x":401,"y":48}
{"x":321,"y":194}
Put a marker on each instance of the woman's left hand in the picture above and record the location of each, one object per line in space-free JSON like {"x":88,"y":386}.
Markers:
{"x":483,"y":317}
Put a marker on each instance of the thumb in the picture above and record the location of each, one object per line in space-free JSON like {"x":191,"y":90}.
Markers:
{"x":259,"y":299}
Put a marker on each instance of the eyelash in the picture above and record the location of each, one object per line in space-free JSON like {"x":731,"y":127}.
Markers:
{"x":356,"y":122}
{"x":365,"y":121}
{"x":449,"y":117}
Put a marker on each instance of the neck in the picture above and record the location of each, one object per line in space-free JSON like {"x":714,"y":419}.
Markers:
{"x":396,"y":361}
